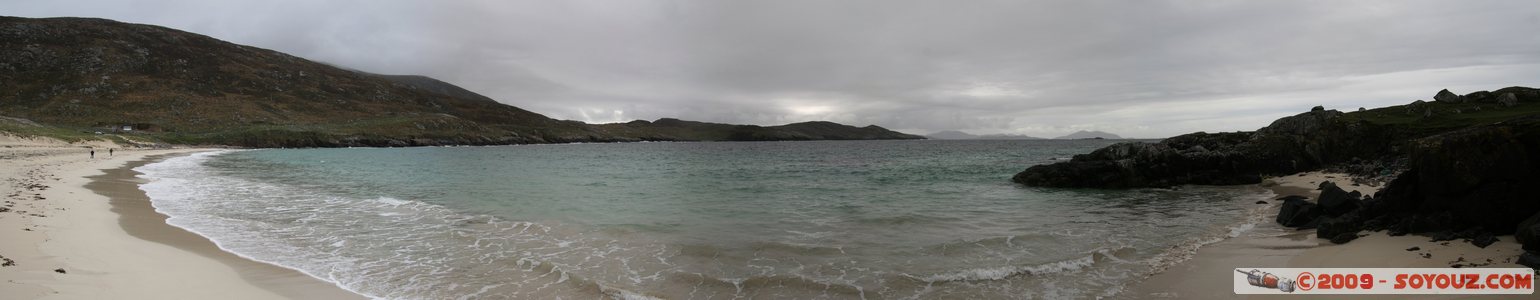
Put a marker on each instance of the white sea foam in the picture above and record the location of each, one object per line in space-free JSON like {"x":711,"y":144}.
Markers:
{"x":1003,"y":272}
{"x":392,"y":246}
{"x":363,"y":244}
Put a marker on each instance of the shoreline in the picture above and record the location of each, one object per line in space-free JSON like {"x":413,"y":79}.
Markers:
{"x":93,"y":222}
{"x":1208,"y":274}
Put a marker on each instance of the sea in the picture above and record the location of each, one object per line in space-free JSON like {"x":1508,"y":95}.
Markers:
{"x":928,"y":219}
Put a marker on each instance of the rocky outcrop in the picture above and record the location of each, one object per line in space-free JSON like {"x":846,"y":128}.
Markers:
{"x":1447,"y":96}
{"x":1475,"y":176}
{"x":1291,"y":144}
{"x":1308,"y":141}
{"x":1466,"y":184}
{"x":1508,"y":100}
{"x":1297,"y":211}
{"x":1335,"y":202}
{"x":1199,"y":158}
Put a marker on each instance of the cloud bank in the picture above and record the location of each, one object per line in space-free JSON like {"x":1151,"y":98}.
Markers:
{"x":1042,"y":68}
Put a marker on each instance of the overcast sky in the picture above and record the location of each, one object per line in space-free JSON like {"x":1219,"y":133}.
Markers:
{"x":1042,"y":68}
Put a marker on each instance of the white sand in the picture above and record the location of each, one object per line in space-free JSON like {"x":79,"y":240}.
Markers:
{"x":125,"y":254}
{"x":1209,"y":273}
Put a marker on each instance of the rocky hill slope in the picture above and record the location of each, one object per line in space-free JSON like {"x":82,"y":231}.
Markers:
{"x":1373,"y":139}
{"x":1459,"y":167}
{"x":93,"y":75}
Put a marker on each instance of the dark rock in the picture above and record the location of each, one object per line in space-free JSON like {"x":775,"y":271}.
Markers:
{"x":1528,"y":233}
{"x":1446,"y":96}
{"x":1332,"y":227}
{"x":1530,"y":259}
{"x":1317,"y":108}
{"x":1473,"y":176}
{"x":1297,"y":213}
{"x":59,"y":270}
{"x":1440,"y":236}
{"x":1261,"y":202}
{"x":1479,"y":97}
{"x":1291,"y":144}
{"x":1427,"y":255}
{"x":1344,"y":237}
{"x":1507,"y":100}
{"x":1484,"y":240}
{"x":1335,"y":202}
{"x":1413,"y":248}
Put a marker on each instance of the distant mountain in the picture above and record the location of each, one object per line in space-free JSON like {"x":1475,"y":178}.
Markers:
{"x":1007,"y":137}
{"x":668,"y":129}
{"x":89,"y":75}
{"x":951,"y":135}
{"x":959,"y":135}
{"x":1090,"y":135}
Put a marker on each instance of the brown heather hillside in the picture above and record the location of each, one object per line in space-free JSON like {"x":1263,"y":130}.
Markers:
{"x":92,"y":72}
{"x":174,"y":86}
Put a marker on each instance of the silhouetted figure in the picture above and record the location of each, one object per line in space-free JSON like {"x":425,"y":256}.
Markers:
{"x":93,"y":153}
{"x":109,"y":151}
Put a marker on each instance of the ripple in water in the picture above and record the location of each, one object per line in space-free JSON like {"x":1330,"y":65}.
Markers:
{"x":690,"y":220}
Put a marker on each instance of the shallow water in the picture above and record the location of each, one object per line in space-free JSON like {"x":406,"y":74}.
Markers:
{"x":857,"y":219}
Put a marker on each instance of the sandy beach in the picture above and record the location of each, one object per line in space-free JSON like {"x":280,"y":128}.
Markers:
{"x":79,"y":228}
{"x":1208,"y":274}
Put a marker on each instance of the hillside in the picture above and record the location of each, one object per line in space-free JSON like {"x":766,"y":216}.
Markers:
{"x":1456,"y":167}
{"x":87,"y":75}
{"x":959,"y":135}
{"x":1373,"y":139}
{"x":679,"y":130}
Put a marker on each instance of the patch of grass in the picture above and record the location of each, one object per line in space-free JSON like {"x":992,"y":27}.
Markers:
{"x":65,"y":134}
{"x":1445,"y":116}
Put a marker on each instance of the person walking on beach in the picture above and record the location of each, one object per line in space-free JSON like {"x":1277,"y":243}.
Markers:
{"x":93,"y":153}
{"x":109,"y":151}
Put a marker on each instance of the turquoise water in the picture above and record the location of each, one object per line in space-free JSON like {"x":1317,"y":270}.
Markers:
{"x":856,"y":219}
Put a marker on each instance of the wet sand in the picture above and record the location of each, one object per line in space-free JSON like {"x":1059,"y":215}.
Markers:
{"x":88,"y":218}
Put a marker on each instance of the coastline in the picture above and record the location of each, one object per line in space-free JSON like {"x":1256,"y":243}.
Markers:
{"x":87,"y":217}
{"x":1208,"y":275}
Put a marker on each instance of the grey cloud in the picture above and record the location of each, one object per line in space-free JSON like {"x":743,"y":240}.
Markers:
{"x":1138,"y":68}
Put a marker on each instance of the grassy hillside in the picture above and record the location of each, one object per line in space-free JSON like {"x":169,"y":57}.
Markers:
{"x":86,"y":75}
{"x":1422,"y":118}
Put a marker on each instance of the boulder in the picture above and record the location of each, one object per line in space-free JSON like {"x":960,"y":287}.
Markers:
{"x":1530,"y":259}
{"x":1484,"y":240}
{"x":1479,"y":97}
{"x":1332,"y":227}
{"x":1446,"y":96}
{"x":1344,"y":238}
{"x":1507,"y":100}
{"x":1296,"y":212}
{"x":1335,"y":202}
{"x":1528,"y":233}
